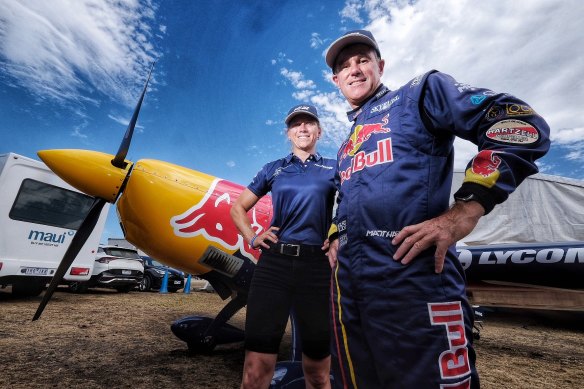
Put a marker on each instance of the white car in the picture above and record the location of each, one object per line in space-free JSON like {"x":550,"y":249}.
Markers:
{"x":115,"y":267}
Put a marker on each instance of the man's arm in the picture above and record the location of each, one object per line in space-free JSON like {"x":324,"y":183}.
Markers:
{"x":442,"y":232}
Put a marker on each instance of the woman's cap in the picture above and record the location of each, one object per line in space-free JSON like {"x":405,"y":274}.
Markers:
{"x":350,"y":38}
{"x":305,"y":109}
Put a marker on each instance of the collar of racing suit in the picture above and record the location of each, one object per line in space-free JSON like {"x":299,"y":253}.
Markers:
{"x":382,"y":90}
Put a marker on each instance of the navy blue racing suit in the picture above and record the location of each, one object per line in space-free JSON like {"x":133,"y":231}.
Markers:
{"x":404,"y":326}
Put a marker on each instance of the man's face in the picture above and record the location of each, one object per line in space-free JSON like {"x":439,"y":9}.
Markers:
{"x":358,"y":73}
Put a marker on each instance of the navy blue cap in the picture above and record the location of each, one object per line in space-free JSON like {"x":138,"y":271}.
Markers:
{"x":305,"y":109}
{"x":350,"y":38}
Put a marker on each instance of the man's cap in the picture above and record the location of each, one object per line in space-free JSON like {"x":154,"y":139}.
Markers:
{"x":350,"y":38}
{"x":305,"y":109}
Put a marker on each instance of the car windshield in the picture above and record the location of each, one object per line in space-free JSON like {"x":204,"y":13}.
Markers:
{"x":118,"y":252}
{"x":156,"y":263}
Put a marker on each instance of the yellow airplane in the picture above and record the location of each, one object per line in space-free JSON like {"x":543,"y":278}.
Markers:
{"x":174,"y":214}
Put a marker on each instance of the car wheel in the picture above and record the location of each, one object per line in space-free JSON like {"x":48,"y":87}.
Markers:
{"x":145,"y":284}
{"x":78,"y":287}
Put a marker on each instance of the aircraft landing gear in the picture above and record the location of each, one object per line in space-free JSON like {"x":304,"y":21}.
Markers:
{"x":203,"y":334}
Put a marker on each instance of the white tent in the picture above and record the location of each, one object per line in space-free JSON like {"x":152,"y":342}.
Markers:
{"x":544,"y":208}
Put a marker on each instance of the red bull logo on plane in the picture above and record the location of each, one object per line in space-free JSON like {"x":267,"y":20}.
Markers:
{"x":484,"y":169}
{"x":361,"y":134}
{"x":210,"y":218}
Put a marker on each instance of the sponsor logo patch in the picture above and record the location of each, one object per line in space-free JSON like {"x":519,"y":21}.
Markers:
{"x":382,"y":233}
{"x":383,"y":154}
{"x":477,"y":99}
{"x":385,"y":105}
{"x":513,"y":131}
{"x":496,"y":112}
{"x":484,"y":169}
{"x":416,"y":81}
{"x":518,"y":110}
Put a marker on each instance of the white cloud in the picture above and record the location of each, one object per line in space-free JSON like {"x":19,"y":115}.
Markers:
{"x":138,"y":129}
{"x":281,"y":58}
{"x":297,"y":79}
{"x":74,"y":48}
{"x":568,"y":136}
{"x":531,"y":51}
{"x":230,"y":163}
{"x":351,"y":11}
{"x":302,"y":95}
{"x":315,"y":40}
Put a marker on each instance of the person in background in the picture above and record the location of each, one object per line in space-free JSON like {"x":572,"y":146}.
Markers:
{"x":293,"y":272}
{"x":401,"y":318}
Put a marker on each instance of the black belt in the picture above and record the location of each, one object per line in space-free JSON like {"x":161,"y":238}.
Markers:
{"x":294,"y":250}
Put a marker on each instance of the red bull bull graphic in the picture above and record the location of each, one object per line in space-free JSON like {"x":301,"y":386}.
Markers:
{"x":210,"y":218}
{"x":484,"y":169}
{"x":361,"y":134}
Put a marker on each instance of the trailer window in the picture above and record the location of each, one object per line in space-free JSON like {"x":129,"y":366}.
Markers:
{"x":41,"y":203}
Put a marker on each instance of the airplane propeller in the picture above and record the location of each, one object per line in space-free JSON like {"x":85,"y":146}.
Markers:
{"x":101,"y":198}
{"x":118,"y":161}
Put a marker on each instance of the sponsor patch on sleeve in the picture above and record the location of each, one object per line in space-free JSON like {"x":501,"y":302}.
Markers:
{"x":513,"y":131}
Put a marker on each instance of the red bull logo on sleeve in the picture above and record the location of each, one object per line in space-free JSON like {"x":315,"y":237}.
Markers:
{"x":484,"y":169}
{"x":210,"y":218}
{"x":361,"y":133}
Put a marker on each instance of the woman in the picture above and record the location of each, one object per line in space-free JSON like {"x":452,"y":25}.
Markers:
{"x":293,"y":271}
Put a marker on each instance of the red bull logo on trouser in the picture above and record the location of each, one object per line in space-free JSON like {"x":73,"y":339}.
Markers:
{"x":382,"y":343}
{"x":210,"y":218}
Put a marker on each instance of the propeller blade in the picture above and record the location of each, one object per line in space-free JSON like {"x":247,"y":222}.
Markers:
{"x":118,"y":160}
{"x":76,"y":244}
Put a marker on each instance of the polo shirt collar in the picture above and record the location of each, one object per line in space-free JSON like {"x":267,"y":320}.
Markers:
{"x":317,"y":157}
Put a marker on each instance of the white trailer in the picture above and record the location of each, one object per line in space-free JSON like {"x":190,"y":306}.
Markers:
{"x":39,"y":215}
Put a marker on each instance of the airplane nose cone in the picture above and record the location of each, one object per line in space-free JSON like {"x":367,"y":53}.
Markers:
{"x":91,"y":172}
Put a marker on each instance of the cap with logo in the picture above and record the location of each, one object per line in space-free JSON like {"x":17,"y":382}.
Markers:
{"x":305,"y":109}
{"x":350,"y":38}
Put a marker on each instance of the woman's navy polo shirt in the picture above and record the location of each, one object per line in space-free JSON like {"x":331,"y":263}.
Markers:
{"x":302,"y":196}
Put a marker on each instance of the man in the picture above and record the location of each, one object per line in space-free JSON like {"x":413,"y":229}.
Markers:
{"x":401,"y":318}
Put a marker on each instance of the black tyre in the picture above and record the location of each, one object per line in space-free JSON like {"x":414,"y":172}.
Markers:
{"x":146,"y":284}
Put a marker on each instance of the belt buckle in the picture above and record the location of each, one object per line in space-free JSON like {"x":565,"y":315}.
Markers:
{"x":290,"y":246}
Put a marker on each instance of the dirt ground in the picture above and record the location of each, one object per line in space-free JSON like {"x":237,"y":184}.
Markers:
{"x":106,"y":339}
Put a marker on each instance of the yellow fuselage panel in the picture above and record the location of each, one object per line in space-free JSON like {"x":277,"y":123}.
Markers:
{"x":173,"y":214}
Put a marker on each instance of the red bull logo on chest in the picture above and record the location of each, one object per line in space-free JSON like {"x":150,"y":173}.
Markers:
{"x":382,"y":154}
{"x":210,"y":219}
{"x":361,"y":133}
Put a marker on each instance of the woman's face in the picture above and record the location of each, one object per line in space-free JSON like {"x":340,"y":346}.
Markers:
{"x":303,"y":132}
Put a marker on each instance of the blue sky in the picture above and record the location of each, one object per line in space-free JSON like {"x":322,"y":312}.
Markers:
{"x":227,"y":72}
